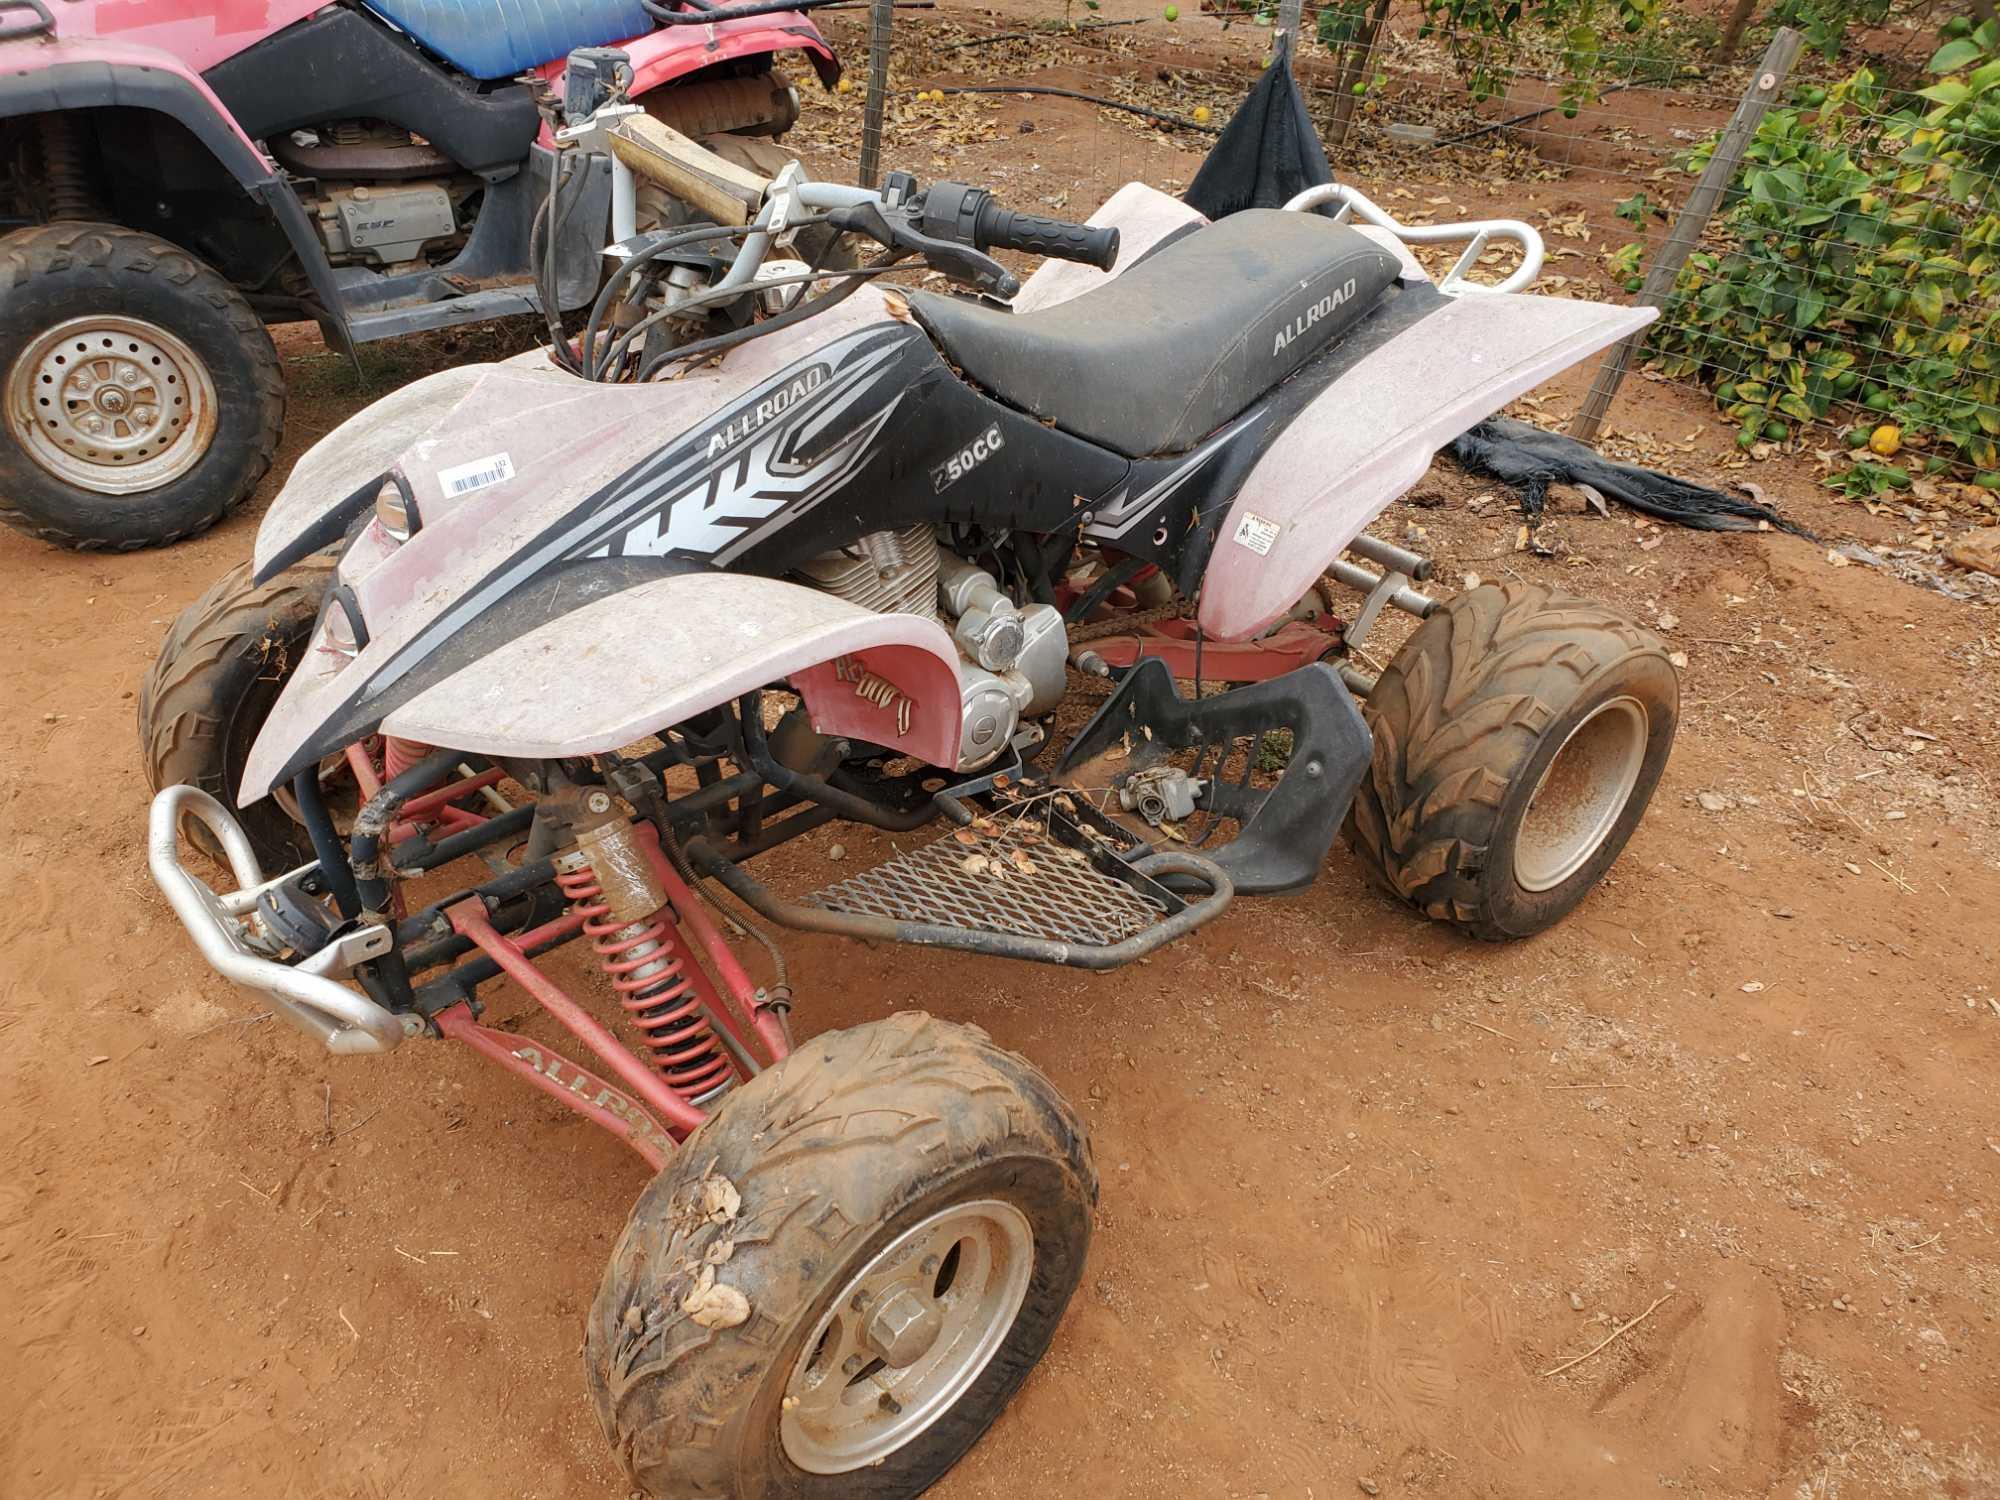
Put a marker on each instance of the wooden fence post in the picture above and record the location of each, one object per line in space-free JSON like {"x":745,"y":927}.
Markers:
{"x":1694,"y":215}
{"x":880,"y":15}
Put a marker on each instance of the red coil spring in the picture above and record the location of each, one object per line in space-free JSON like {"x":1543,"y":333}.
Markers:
{"x":664,"y":1004}
{"x":398,"y":755}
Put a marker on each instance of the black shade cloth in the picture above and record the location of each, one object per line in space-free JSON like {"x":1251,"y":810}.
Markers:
{"x":1269,"y":152}
{"x":1529,"y":460}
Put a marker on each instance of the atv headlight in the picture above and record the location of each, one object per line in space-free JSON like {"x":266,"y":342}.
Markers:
{"x":396,"y":508}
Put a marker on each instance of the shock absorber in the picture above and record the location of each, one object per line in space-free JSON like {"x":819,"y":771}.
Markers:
{"x":629,"y":923}
{"x":66,"y":170}
{"x":399,"y":755}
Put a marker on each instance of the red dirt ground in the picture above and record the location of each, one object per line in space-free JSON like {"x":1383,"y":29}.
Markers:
{"x":1364,"y":1181}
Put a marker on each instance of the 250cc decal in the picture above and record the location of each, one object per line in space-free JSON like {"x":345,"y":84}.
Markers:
{"x":968,"y":458}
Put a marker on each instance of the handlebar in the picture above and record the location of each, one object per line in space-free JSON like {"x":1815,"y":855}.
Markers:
{"x":1004,"y":229}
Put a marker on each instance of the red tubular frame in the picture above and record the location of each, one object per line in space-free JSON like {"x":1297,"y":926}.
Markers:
{"x":468,"y":919}
{"x":741,"y":1006}
{"x":1291,"y":646}
{"x":651,"y":1106}
{"x":616,"y":1111}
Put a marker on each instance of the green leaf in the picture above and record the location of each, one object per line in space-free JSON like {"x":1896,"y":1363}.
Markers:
{"x":1927,"y":301}
{"x":1954,"y":55}
{"x":1948,"y":93}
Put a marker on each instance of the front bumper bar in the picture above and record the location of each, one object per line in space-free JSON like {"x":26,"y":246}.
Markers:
{"x":230,"y":936}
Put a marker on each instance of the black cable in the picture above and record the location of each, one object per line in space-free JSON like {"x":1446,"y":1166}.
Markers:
{"x":635,"y":263}
{"x":712,"y":298}
{"x":852,"y":282}
{"x":550,"y":226}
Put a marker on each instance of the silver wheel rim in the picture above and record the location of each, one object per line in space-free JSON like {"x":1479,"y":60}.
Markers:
{"x":1577,"y":802}
{"x":110,"y":404}
{"x":907,"y":1336}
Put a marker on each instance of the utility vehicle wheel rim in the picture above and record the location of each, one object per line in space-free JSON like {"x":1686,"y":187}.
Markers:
{"x":907,"y":1336}
{"x":112,"y":405}
{"x":1578,"y":800}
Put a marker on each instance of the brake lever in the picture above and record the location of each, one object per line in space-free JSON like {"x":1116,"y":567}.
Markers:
{"x":958,"y":262}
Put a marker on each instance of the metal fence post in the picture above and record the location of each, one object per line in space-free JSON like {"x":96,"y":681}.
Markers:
{"x":1288,"y":25}
{"x":1694,"y":215}
{"x":880,"y":14}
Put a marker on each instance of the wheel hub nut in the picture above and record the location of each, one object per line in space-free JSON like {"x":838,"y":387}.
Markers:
{"x":903,"y":1328}
{"x":111,"y":400}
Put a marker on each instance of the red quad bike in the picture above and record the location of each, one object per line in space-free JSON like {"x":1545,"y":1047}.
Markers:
{"x":542,"y":650}
{"x":176,"y":174}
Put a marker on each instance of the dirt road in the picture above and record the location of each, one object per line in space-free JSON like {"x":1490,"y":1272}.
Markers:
{"x":1366,"y":1185}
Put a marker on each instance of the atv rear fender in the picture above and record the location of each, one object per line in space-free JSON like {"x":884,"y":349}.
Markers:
{"x":1371,"y":435}
{"x":47,"y":76}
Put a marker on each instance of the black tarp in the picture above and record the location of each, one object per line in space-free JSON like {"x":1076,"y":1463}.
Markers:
{"x":1529,"y":460}
{"x":1269,"y":152}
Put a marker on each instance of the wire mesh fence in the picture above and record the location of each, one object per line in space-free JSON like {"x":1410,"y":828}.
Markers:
{"x":1846,"y":293}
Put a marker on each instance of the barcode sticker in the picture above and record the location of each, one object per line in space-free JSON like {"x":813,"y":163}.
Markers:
{"x":463,"y":479}
{"x":1256,"y":533}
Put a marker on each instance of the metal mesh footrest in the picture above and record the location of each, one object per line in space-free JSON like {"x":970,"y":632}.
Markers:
{"x":1017,"y":880}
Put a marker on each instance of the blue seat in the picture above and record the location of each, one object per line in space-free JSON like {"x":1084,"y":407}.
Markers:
{"x":499,"y":38}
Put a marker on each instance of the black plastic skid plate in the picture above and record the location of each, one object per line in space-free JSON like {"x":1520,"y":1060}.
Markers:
{"x":1285,"y":831}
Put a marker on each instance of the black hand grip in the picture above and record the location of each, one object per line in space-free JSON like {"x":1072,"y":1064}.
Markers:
{"x":1003,"y":229}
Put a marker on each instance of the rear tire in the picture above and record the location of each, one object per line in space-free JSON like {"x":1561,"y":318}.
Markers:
{"x":1519,"y":735}
{"x":178,"y":425}
{"x":858,"y":1139}
{"x":219,"y":671}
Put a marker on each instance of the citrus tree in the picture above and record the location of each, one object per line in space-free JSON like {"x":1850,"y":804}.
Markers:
{"x":1861,"y":285}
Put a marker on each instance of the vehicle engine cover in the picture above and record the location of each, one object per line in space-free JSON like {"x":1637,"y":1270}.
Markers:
{"x":385,"y":225}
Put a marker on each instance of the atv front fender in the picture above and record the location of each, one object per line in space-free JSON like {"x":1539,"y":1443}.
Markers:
{"x":643,"y":658}
{"x":334,"y":482}
{"x":50,"y":77}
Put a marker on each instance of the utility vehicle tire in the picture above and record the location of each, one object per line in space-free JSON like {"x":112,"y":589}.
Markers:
{"x":909,"y":1163}
{"x":142,"y":396}
{"x":218,"y":674}
{"x":1519,"y":734}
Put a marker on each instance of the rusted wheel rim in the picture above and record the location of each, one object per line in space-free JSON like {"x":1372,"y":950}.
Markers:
{"x":907,"y":1336}
{"x":111,"y":404}
{"x":1581,"y":794}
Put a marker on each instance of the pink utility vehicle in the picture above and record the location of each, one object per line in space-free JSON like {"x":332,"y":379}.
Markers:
{"x":550,"y":649}
{"x":179,"y":173}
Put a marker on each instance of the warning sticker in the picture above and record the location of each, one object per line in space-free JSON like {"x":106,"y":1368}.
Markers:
{"x":463,"y":479}
{"x":1256,"y":533}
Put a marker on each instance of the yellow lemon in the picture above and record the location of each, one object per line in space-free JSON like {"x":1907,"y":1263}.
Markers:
{"x":1201,"y":114}
{"x":843,"y":87}
{"x":1885,"y":440}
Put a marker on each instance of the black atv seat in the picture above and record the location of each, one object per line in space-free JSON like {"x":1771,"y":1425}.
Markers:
{"x":1161,"y":355}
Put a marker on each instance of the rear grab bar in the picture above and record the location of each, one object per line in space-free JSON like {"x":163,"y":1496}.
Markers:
{"x":1354,"y":204}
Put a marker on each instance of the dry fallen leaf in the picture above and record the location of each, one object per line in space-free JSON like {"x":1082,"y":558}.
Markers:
{"x":714,"y":1304}
{"x":719,"y":1199}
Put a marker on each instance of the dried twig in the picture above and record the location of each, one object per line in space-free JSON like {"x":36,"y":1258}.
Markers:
{"x":1621,"y":1329}
{"x":1908,"y":889}
{"x":1494,"y":1029}
{"x":360,"y":1122}
{"x":1586,"y":1085}
{"x":1913,"y":1249}
{"x":267,"y":1197}
{"x":350,"y":1327}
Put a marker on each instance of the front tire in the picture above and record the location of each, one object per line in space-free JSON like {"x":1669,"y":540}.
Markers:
{"x":840,"y":1280}
{"x":1519,"y":735}
{"x":219,"y":672}
{"x":141,"y":395}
